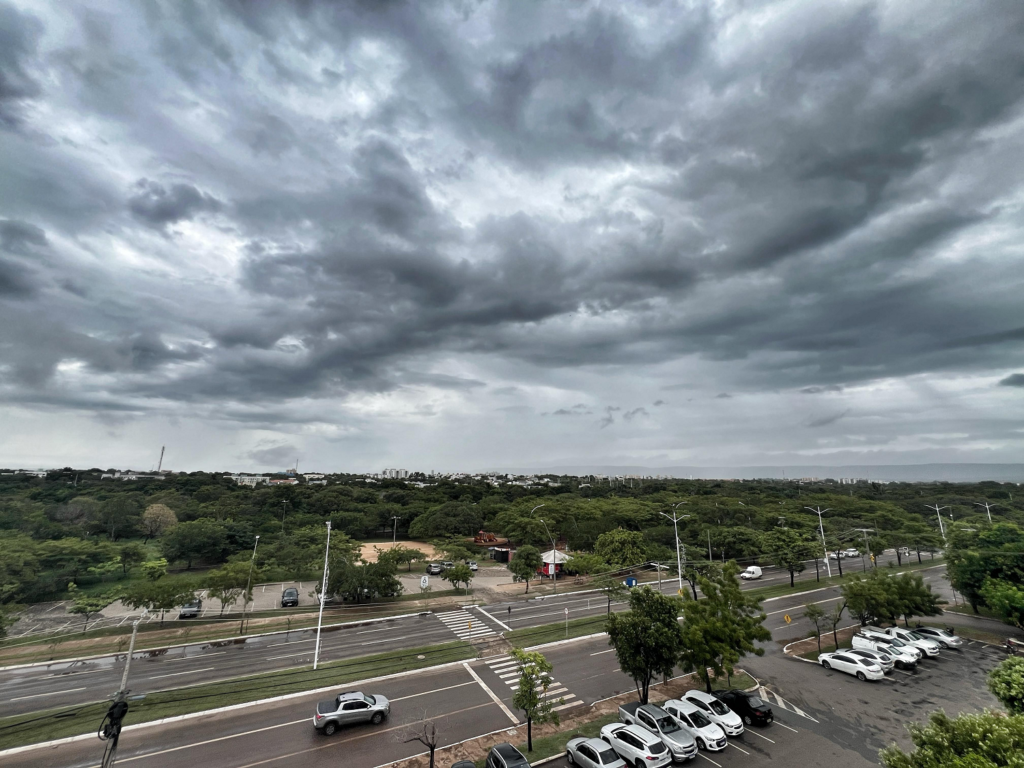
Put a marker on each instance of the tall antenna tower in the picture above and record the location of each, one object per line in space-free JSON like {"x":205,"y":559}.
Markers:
{"x":161,"y":464}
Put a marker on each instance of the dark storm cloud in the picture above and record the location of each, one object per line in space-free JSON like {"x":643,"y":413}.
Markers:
{"x":374,"y":188}
{"x":824,"y":421}
{"x":157,"y":206}
{"x":1013,"y":380}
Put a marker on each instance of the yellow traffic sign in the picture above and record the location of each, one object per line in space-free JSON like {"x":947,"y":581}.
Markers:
{"x":787,"y":618}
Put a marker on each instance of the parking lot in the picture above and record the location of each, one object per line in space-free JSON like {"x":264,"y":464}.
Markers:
{"x":828,"y":718}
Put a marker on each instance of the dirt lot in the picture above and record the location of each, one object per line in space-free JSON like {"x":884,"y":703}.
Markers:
{"x":369,"y":551}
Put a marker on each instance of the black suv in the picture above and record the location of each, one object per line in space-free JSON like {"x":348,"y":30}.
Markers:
{"x":289,"y":597}
{"x":752,"y":709}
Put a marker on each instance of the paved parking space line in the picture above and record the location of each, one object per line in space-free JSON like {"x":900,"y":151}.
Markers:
{"x":794,"y":730}
{"x":741,"y":749}
{"x":759,"y":735}
{"x":710,"y":760}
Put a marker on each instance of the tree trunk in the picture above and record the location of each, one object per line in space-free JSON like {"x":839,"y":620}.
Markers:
{"x":529,"y":734}
{"x":527,"y":586}
{"x":818,"y":637}
{"x":817,"y":573}
{"x":707,"y":679}
{"x":919,"y":556}
{"x":791,"y":574}
{"x":839,"y":562}
{"x":432,"y":748}
{"x":899,"y":561}
{"x":835,"y":639}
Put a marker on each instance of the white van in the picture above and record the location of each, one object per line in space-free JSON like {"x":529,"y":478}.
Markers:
{"x":752,"y":572}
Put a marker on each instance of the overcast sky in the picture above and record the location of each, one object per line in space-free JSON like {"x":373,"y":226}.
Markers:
{"x":470,"y":235}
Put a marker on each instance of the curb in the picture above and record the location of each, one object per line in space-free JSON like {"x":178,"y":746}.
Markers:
{"x":360,"y":623}
{"x":557,"y":643}
{"x":838,"y":586}
{"x":229,"y":708}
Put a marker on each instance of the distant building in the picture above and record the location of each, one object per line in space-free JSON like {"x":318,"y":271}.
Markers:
{"x":395,"y":474}
{"x":250,"y":480}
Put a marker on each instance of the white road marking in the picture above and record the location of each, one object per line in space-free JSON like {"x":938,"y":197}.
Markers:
{"x":289,"y":656}
{"x":200,"y":656}
{"x":758,"y":735}
{"x":506,"y":627}
{"x":176,"y":674}
{"x":436,"y":690}
{"x":52,"y":693}
{"x":560,"y":707}
{"x":610,"y":650}
{"x":794,"y":730}
{"x":290,"y":642}
{"x":492,"y":694}
{"x":710,"y":760}
{"x":739,"y":748}
{"x":817,"y":602}
{"x":368,"y":631}
{"x":76,"y":674}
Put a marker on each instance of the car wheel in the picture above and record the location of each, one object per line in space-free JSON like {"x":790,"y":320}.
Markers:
{"x":569,"y":758}
{"x":748,"y":720}
{"x":701,"y":744}
{"x":826,"y":665}
{"x":378,"y":718}
{"x":330,"y":728}
{"x":639,"y":762}
{"x":861,"y":676}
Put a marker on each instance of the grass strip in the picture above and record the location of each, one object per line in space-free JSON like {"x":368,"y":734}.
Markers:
{"x":32,"y":728}
{"x":548,"y":633}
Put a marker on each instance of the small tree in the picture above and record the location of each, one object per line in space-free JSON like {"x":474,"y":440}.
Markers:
{"x":228,"y":583}
{"x":621,"y":548}
{"x":787,"y":549}
{"x":986,"y":740}
{"x":459,"y":574}
{"x":612,"y":586}
{"x":530,"y":697}
{"x":585,"y":564}
{"x":912,"y":597}
{"x":833,"y":618}
{"x":425,"y":731}
{"x":130,"y":555}
{"x":869,"y":598}
{"x":401,"y":555}
{"x":154,"y":570}
{"x":1005,"y":599}
{"x":1006,"y":682}
{"x":525,"y":563}
{"x":162,"y":595}
{"x":87,"y":605}
{"x":816,"y":615}
{"x":647,"y":638}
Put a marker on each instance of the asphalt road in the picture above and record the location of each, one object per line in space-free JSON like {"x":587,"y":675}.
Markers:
{"x":38,"y":687}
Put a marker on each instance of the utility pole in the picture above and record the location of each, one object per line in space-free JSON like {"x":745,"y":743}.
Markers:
{"x":679,"y":559}
{"x":161,"y":464}
{"x":394,"y":533}
{"x":248,"y":583}
{"x":709,"y":545}
{"x":938,"y":509}
{"x":323,"y":597}
{"x":866,"y":531}
{"x":821,"y":528}
{"x":988,"y":509}
{"x":554,"y":555}
{"x":110,"y":728}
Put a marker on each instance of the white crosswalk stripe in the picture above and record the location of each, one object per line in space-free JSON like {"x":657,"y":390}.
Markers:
{"x":465,"y":625}
{"x":506,"y":670}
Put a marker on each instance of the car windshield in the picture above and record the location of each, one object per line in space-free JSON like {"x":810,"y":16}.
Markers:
{"x":291,"y":592}
{"x":718,"y":707}
{"x":369,"y":699}
{"x":699,"y":720}
{"x":914,"y":636}
{"x":608,"y":756}
{"x":668,"y":725}
{"x":897,"y":643}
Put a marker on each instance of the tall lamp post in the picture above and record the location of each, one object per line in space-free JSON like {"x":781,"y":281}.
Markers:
{"x":675,"y":518}
{"x":554,"y":556}
{"x":323,"y":597}
{"x":248,"y":583}
{"x":394,"y":533}
{"x":988,"y":508}
{"x":821,"y":527}
{"x":938,"y":509}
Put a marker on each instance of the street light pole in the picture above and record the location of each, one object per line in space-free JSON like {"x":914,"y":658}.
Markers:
{"x":867,"y":548}
{"x":988,"y":509}
{"x":675,"y":526}
{"x":394,"y":533}
{"x":938,"y":509}
{"x":248,"y":583}
{"x":821,"y":527}
{"x":554,"y":555}
{"x":110,"y":729}
{"x":323,"y":597}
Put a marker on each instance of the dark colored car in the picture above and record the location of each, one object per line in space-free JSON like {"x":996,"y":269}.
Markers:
{"x":752,"y":709}
{"x":464,"y":764}
{"x":289,"y":597}
{"x":506,"y":756}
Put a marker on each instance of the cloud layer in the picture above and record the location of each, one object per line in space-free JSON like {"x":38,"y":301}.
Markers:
{"x":409,"y":233}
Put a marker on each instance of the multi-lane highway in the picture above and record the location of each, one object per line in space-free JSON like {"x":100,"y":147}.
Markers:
{"x":46,"y":686}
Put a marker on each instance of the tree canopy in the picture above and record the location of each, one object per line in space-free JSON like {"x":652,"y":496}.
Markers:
{"x":647,"y":638}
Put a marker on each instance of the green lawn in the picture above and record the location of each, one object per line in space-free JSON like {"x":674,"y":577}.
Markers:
{"x":58,"y":723}
{"x":547,"y":633}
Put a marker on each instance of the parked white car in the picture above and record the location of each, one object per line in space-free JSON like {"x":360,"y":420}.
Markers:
{"x":707,"y":734}
{"x":717,"y":712}
{"x":905,"y":656}
{"x":636,"y":745}
{"x":929,"y":647}
{"x":943,"y":637}
{"x":884,"y":660}
{"x":592,"y":753}
{"x":863,"y":669}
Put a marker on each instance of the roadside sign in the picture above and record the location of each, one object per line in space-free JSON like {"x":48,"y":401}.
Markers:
{"x":424,"y":581}
{"x":679,"y":592}
{"x":566,"y":611}
{"x":787,"y":618}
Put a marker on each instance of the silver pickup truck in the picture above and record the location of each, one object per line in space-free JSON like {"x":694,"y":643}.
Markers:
{"x":681,"y":744}
{"x":349,"y":708}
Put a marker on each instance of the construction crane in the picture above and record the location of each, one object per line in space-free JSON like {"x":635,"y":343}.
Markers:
{"x":160,"y":465}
